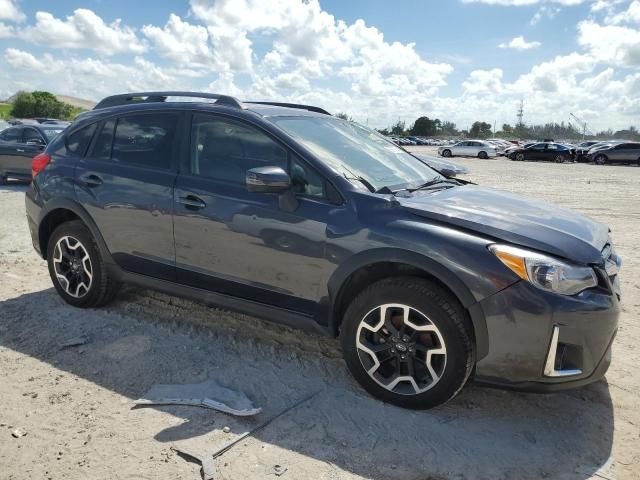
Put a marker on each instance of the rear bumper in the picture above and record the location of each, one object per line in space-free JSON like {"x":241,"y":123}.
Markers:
{"x":521,"y":321}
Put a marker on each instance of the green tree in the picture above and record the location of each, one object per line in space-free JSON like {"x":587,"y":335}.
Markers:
{"x":24,"y":105}
{"x":480,"y":130}
{"x":344,"y":116}
{"x":398,"y":128}
{"x":40,"y":104}
{"x":448,"y":129}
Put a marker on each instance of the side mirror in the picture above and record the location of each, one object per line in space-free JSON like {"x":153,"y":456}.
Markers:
{"x":267,"y":180}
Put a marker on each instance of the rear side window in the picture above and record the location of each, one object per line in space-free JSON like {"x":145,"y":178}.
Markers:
{"x":102,"y":147}
{"x":145,"y":140}
{"x":31,"y":134}
{"x":225,"y":150}
{"x":79,"y":140}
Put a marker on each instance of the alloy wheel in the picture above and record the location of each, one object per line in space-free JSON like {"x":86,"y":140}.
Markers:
{"x":72,"y":266}
{"x":520,"y":157}
{"x":401,"y":349}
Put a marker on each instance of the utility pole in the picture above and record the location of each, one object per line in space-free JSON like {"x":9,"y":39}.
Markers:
{"x":582,"y":123}
{"x":521,"y":113}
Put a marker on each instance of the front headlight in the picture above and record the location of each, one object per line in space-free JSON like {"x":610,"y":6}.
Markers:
{"x":545,"y":272}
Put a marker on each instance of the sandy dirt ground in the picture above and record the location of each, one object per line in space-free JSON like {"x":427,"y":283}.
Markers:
{"x":76,"y":407}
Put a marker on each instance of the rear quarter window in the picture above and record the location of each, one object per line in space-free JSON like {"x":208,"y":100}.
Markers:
{"x":77,"y":142}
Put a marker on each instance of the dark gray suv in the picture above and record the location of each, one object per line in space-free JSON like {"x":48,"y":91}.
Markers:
{"x":285,"y":212}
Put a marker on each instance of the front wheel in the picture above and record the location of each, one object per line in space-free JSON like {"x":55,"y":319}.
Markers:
{"x":446,"y":153}
{"x":76,"y":267}
{"x":520,"y":157}
{"x":559,"y":159}
{"x":406,"y":341}
{"x":483,"y":155}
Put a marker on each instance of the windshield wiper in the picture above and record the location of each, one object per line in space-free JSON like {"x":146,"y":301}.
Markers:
{"x":434,"y":182}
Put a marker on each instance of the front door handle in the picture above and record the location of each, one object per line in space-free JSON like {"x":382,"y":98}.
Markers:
{"x":192,"y":202}
{"x":21,"y":150}
{"x":92,"y":180}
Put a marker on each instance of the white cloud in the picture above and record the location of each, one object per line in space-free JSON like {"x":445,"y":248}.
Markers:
{"x":611,"y":44}
{"x":180,"y":41}
{"x":84,"y":77}
{"x":10,"y":11}
{"x":631,"y":15}
{"x":519,"y":43}
{"x":83,"y":29}
{"x":521,"y":3}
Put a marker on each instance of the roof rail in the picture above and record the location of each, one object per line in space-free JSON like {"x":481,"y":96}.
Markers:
{"x":150,"y":97}
{"x":311,"y":108}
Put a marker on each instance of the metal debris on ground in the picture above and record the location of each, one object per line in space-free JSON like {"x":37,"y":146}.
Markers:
{"x":75,"y":342}
{"x":208,"y":394}
{"x":279,"y":470}
{"x":208,"y":465}
{"x":232,"y":443}
{"x":18,"y":432}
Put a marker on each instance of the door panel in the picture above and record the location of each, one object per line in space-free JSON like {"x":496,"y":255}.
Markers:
{"x":242,"y":243}
{"x":129,"y":194}
{"x":11,"y":151}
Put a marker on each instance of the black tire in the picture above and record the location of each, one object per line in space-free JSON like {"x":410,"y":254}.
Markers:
{"x":600,"y":160}
{"x":442,"y":310}
{"x":3,"y":179}
{"x":446,"y":153}
{"x":102,"y":287}
{"x":483,"y":155}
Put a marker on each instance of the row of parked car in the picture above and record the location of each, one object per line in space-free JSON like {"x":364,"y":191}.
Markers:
{"x":407,"y":141}
{"x":598,"y":152}
{"x":21,"y":140}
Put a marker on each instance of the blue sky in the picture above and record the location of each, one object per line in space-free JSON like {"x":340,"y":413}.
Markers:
{"x":460,"y":60}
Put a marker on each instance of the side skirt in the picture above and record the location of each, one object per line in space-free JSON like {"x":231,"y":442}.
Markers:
{"x":249,"y":307}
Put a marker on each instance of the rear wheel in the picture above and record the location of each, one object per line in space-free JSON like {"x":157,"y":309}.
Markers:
{"x":446,"y":153}
{"x":483,"y":155}
{"x":560,"y":158}
{"x":405,"y":340}
{"x":520,"y":157}
{"x":601,"y":160}
{"x":76,"y":267}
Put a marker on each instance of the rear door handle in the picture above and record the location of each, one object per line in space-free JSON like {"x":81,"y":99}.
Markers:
{"x":92,"y":180}
{"x":20,"y":150}
{"x":192,"y":202}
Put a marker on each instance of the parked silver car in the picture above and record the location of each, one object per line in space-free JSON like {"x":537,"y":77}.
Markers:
{"x":469,"y":148}
{"x":616,"y":153}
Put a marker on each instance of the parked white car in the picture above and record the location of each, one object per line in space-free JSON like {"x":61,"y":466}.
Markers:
{"x":469,"y":148}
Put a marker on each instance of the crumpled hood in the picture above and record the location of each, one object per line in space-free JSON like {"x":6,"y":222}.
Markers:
{"x":515,"y":219}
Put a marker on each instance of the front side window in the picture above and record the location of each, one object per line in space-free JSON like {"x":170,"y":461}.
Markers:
{"x":32,"y":135}
{"x":12,"y":135}
{"x":145,"y":140}
{"x":357,"y":152}
{"x":224,"y":150}
{"x":304,"y":179}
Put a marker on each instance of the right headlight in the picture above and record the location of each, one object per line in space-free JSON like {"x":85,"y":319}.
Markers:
{"x":546,"y":272}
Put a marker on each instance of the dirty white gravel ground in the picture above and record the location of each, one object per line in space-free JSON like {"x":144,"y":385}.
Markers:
{"x":75,"y":404}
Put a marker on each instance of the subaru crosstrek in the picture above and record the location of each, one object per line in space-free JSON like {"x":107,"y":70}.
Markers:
{"x":285,"y":212}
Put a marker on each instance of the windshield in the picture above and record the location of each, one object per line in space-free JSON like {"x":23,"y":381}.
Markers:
{"x":358,"y":152}
{"x":51,"y":132}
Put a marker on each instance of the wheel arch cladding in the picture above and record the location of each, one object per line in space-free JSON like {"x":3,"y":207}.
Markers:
{"x":60,"y":211}
{"x":368,"y":267}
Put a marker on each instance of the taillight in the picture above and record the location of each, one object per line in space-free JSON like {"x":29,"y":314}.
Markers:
{"x":38,"y":163}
